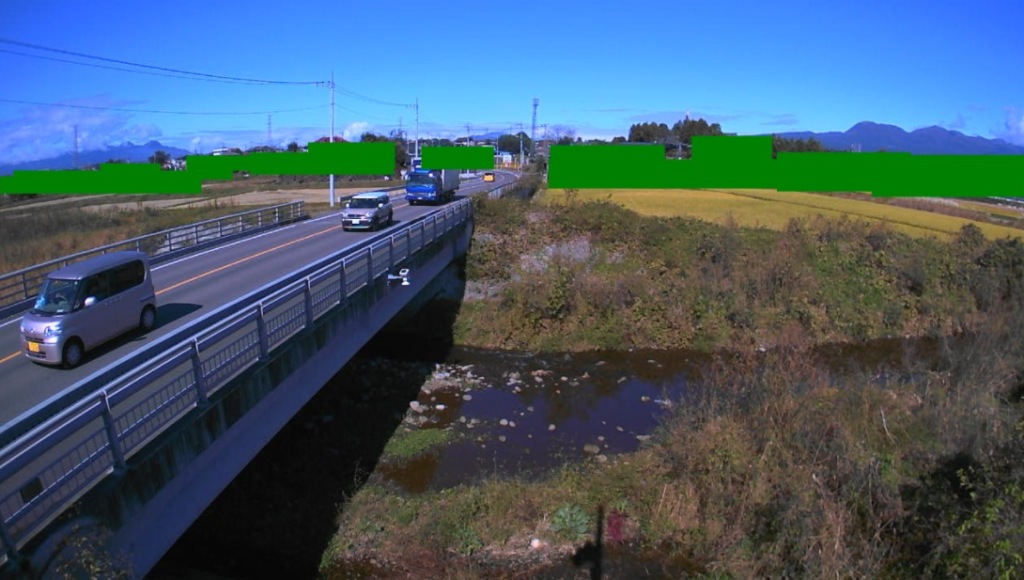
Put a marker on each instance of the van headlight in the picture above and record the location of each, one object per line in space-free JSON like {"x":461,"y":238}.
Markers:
{"x":51,"y":331}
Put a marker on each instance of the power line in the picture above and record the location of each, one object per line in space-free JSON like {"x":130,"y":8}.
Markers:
{"x":160,"y":68}
{"x":141,"y":72}
{"x":362,"y":97}
{"x":161,"y":112}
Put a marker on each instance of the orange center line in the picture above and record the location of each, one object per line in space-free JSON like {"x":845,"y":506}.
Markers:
{"x":9,"y":357}
{"x":243,"y":260}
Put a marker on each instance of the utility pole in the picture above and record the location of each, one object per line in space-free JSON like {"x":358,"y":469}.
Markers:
{"x":520,"y":145}
{"x":533,"y":132}
{"x":332,"y":132}
{"x":468,"y":136}
{"x":76,"y":146}
{"x":270,"y":133}
{"x":417,"y":126}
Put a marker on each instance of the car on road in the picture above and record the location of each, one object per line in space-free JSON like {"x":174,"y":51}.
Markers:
{"x":368,"y":211}
{"x":488,"y":176}
{"x":86,"y":304}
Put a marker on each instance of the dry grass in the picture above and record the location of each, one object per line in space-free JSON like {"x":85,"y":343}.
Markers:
{"x":776,"y":468}
{"x":772,"y":209}
{"x":29,"y":237}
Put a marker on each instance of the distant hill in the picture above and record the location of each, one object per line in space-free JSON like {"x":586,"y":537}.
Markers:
{"x":127,"y":151}
{"x":927,"y":141}
{"x":489,"y":136}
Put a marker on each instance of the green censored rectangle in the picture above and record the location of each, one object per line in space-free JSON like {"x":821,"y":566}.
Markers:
{"x":746,"y":162}
{"x":458,"y":157}
{"x":143,"y":178}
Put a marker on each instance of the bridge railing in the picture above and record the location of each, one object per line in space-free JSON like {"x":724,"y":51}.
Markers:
{"x":18,"y":288}
{"x":56,"y":463}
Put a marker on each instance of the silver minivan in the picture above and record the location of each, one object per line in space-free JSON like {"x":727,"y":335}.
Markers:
{"x":86,"y":304}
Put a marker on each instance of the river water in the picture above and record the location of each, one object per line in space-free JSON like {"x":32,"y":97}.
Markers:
{"x":512,"y":413}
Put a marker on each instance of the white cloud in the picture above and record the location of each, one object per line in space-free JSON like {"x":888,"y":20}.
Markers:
{"x":354,"y":130}
{"x":1013,"y":126}
{"x":38,"y":132}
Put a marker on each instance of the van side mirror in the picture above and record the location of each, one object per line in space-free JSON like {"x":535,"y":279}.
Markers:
{"x":89,"y":302}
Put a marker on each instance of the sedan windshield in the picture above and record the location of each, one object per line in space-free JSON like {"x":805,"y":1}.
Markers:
{"x":57,"y":296}
{"x":363,"y":203}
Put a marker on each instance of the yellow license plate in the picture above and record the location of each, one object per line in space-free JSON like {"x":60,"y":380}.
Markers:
{"x":34,"y":347}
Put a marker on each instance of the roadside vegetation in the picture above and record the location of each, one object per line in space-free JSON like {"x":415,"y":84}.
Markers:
{"x":34,"y":236}
{"x":775,"y":466}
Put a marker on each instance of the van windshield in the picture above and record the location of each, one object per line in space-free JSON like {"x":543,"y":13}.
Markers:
{"x":57,"y":296}
{"x":364,"y":203}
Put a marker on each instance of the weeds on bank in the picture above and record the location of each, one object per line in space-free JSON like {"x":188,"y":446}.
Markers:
{"x":593,"y":275}
{"x":776,"y":467}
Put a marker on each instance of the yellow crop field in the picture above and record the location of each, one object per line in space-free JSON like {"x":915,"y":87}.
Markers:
{"x":772,"y":209}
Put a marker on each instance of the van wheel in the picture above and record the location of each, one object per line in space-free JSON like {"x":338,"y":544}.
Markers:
{"x":71,"y":357}
{"x":147,"y":320}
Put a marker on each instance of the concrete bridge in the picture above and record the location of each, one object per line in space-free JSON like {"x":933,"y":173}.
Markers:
{"x":162,"y":423}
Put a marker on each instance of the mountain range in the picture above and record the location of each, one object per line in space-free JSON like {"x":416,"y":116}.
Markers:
{"x":926,"y":141}
{"x":127,"y":151}
{"x":866,"y":135}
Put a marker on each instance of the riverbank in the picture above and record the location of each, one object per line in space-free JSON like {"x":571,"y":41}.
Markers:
{"x":777,"y":465}
{"x":594,"y":275}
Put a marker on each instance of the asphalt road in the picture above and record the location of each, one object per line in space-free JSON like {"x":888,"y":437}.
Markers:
{"x":189,"y":288}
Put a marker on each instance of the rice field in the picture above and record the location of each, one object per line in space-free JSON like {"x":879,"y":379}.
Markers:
{"x":773,"y":209}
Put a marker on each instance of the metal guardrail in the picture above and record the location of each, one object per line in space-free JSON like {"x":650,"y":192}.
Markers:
{"x":18,"y":288}
{"x":60,"y":460}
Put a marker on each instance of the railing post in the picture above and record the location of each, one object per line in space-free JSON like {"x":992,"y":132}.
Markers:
{"x":369,"y":266}
{"x":138,"y":245}
{"x":197,"y":372}
{"x":277,"y":215}
{"x":309,"y":303}
{"x":344,"y":284}
{"x":259,"y":218}
{"x":261,"y":327}
{"x":24,"y":284}
{"x":195,"y":235}
{"x":391,"y":252}
{"x":112,"y":437}
{"x":220,"y":228}
{"x":9,"y":546}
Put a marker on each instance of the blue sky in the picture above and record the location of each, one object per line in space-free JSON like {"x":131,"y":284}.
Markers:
{"x":753,"y":66}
